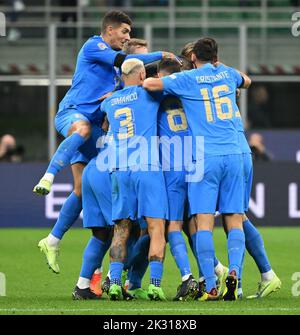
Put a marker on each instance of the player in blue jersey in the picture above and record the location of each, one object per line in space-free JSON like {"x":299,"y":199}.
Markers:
{"x":173,"y":133}
{"x":254,"y":242}
{"x":79,"y":117}
{"x":208,"y":97}
{"x":96,"y":201}
{"x":138,"y":186}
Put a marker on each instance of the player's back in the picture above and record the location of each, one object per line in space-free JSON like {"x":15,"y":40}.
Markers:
{"x":173,"y":132}
{"x":208,"y":96}
{"x":92,"y":78}
{"x":132,"y":114}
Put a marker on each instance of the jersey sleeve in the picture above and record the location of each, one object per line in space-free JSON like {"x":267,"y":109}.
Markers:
{"x":101,"y":53}
{"x":102,"y":107}
{"x":175,"y":84}
{"x":239,"y":80}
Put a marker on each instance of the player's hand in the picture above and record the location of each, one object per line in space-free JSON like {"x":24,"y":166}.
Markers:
{"x":105,"y":124}
{"x":107,"y":95}
{"x":170,"y":55}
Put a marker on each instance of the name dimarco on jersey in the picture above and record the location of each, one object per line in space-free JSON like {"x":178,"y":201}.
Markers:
{"x":211,"y":79}
{"x":126,"y":98}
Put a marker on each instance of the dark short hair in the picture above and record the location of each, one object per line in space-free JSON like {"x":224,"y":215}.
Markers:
{"x":206,"y":49}
{"x":115,"y":18}
{"x":151,"y":70}
{"x":186,"y":64}
{"x":168,"y":65}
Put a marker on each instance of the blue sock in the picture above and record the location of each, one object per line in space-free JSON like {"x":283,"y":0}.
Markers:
{"x":137,"y":273}
{"x":116,"y":269}
{"x":241,"y":271}
{"x":206,"y":254}
{"x":194,"y":237}
{"x":65,"y":152}
{"x":139,"y":251}
{"x":236,"y":249}
{"x":67,"y":215}
{"x":92,"y":257}
{"x":179,"y":252}
{"x":156,"y":271}
{"x":255,"y":247}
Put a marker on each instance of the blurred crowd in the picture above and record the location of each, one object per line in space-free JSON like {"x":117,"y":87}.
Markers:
{"x":9,"y":150}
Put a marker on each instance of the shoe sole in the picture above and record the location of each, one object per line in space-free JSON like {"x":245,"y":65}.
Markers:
{"x":191,"y":293}
{"x":76,"y":296}
{"x":42,"y":249}
{"x":114,"y":297}
{"x":230,"y":289}
{"x":40,"y":191}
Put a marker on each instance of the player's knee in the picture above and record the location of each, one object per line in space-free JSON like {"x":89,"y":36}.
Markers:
{"x":78,"y":188}
{"x":84,"y":130}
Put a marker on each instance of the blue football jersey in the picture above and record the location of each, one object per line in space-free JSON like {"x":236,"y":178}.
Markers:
{"x":132,"y":115}
{"x":173,"y":132}
{"x":208,"y":95}
{"x":95,"y":75}
{"x":241,"y":133}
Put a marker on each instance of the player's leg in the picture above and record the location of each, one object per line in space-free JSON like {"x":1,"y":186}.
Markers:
{"x":204,"y":207}
{"x":254,"y":242}
{"x":139,"y":263}
{"x":67,"y":216}
{"x":221,"y":271}
{"x":255,"y":246}
{"x":77,"y":129}
{"x":94,"y":219}
{"x":156,"y":229}
{"x":117,"y":253}
{"x":177,"y":195}
{"x":231,"y":204}
{"x":206,"y":254}
{"x":189,"y":286}
{"x":236,"y":250}
{"x":153,"y":205}
{"x":91,"y":260}
{"x":123,"y":206}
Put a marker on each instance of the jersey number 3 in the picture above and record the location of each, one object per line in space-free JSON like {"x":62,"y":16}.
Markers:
{"x":126,"y":124}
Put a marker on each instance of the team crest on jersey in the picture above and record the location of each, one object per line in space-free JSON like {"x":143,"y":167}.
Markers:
{"x":102,"y":46}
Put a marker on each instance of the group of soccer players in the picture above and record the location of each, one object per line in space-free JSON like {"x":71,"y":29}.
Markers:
{"x":152,"y":157}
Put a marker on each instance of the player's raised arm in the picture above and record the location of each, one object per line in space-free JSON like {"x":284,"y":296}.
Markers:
{"x":247,"y":80}
{"x":153,"y":84}
{"x":115,"y":32}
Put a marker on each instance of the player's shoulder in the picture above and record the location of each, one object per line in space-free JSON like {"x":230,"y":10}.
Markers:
{"x":96,"y":43}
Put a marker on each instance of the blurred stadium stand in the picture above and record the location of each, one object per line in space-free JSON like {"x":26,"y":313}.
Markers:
{"x":265,"y":48}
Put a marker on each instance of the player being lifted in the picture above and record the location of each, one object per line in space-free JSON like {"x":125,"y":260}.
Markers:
{"x":79,"y":117}
{"x":208,"y":97}
{"x":138,"y":186}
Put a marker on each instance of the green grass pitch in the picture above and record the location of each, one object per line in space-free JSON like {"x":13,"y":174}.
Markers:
{"x":31,"y":288}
